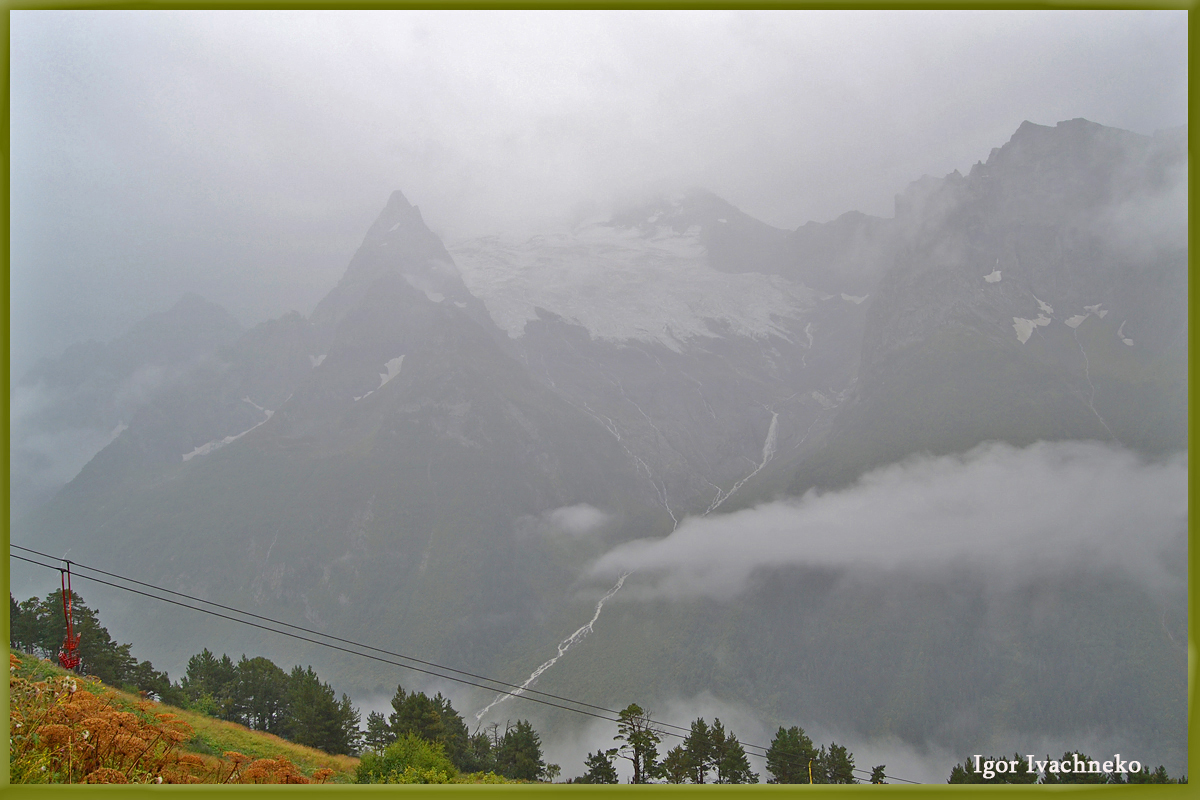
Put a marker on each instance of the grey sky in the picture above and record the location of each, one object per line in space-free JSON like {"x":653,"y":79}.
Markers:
{"x":243,"y":155}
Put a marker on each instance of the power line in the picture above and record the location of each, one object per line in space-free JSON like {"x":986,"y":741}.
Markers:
{"x":312,"y":641}
{"x":511,"y":686}
{"x":515,"y":690}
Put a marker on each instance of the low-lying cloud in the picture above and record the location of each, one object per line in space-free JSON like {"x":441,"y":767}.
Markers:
{"x":578,"y":519}
{"x":1009,"y":513}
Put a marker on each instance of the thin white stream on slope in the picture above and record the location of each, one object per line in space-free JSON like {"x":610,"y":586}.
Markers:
{"x":562,"y":648}
{"x":768,"y":452}
{"x":1087,"y":374}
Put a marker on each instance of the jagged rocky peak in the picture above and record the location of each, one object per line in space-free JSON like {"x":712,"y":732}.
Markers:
{"x":1057,"y":172}
{"x":399,"y":241}
{"x":398,"y":244}
{"x":399,"y":217}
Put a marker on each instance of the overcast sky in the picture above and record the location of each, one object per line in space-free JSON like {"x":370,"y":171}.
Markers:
{"x":243,"y":155}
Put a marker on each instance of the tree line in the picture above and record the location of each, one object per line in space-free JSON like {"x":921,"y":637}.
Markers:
{"x":424,"y":740}
{"x":710,"y":753}
{"x":255,"y":692}
{"x":38,"y":627}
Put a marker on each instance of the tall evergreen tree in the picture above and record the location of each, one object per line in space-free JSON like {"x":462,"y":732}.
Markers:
{"x":699,"y":748}
{"x":378,"y":735}
{"x":314,"y":717}
{"x":520,"y":753}
{"x":454,"y":733}
{"x":729,"y":756}
{"x":259,"y":695}
{"x":839,"y":765}
{"x":480,"y":755}
{"x":789,"y":756}
{"x":600,"y":767}
{"x":677,"y":765}
{"x":641,"y":738}
{"x":208,"y":683}
{"x":24,"y":627}
{"x":434,"y":720}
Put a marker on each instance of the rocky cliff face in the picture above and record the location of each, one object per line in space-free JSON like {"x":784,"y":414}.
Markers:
{"x":1010,"y":308}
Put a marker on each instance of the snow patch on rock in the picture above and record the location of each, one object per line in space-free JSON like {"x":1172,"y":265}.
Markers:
{"x":1024,"y":327}
{"x":852,"y":299}
{"x":393,"y":369}
{"x":993,"y":276}
{"x":217,"y":444}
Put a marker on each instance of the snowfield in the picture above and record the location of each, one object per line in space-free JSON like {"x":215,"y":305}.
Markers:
{"x":623,"y":285}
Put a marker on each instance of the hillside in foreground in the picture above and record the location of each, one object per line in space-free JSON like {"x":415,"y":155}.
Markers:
{"x":71,"y":729}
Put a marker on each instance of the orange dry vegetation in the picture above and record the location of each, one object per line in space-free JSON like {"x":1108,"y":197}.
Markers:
{"x":68,"y":730}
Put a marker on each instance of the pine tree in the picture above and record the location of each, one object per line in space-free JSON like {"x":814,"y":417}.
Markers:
{"x":259,"y":695}
{"x":208,"y":683}
{"x":24,"y":625}
{"x":314,"y":717}
{"x":454,"y":733}
{"x":378,"y":735}
{"x":699,"y":748}
{"x":434,"y":720}
{"x":677,"y":765}
{"x":520,"y":753}
{"x":600,"y":767}
{"x":790,"y":755}
{"x":839,"y":765}
{"x":635,"y":728}
{"x":730,"y":757}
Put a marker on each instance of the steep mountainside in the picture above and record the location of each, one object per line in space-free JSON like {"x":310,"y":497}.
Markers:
{"x":705,"y":374}
{"x":1042,"y":296}
{"x":66,"y":410}
{"x":403,"y":471}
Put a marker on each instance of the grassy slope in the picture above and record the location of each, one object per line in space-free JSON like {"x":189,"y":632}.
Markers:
{"x":213,"y":736}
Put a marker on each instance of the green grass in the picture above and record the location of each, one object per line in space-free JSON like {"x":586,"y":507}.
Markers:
{"x":212,"y":737}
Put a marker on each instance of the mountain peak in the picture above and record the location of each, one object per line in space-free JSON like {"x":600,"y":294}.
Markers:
{"x":398,"y":200}
{"x":398,"y":244}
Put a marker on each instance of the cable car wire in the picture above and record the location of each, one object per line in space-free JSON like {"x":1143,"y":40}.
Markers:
{"x":511,"y":689}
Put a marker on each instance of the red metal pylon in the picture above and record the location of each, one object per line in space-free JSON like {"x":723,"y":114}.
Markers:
{"x":68,"y":656}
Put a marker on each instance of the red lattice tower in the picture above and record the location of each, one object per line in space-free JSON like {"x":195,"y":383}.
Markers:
{"x":68,"y":656}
